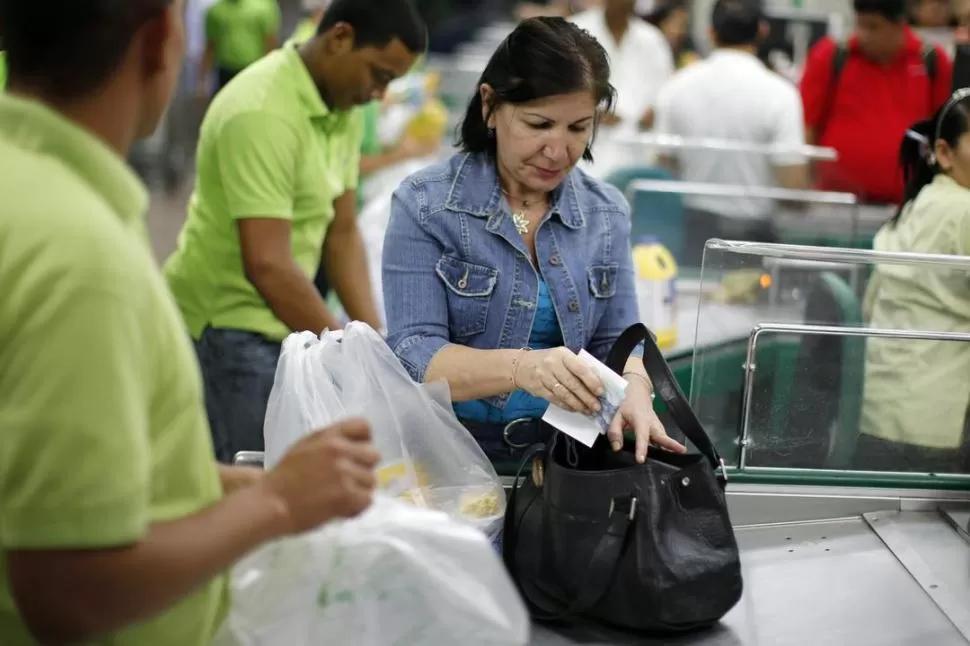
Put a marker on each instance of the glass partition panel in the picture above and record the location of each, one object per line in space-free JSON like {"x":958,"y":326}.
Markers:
{"x":813,"y":358}
{"x":684,"y":215}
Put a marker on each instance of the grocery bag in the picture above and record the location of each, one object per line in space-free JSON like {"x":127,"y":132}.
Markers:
{"x":427,"y":457}
{"x":395,"y":575}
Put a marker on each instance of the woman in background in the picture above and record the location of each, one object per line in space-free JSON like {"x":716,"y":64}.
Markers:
{"x":917,"y":392}
{"x":672,"y":17}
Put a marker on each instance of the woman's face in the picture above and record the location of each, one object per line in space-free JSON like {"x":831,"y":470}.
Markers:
{"x":539,"y":142}
{"x":955,"y":161}
{"x":675,"y":27}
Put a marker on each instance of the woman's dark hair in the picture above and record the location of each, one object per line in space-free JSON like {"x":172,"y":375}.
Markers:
{"x":664,"y":10}
{"x":916,"y":153}
{"x":543,"y":57}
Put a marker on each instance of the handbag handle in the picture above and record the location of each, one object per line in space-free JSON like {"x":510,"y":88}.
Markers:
{"x":666,"y":387}
{"x":603,"y":563}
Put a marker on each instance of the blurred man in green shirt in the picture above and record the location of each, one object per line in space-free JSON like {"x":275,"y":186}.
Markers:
{"x":116,"y":524}
{"x":276,"y":177}
{"x":237,"y":34}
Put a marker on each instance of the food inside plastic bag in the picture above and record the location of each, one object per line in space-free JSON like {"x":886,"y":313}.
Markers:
{"x":428,"y":458}
{"x":395,"y":575}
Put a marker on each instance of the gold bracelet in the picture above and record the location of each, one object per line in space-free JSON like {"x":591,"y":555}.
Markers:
{"x":515,"y":366}
{"x":645,"y":378}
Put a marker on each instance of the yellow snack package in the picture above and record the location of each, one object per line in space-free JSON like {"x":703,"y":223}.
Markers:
{"x":429,"y":123}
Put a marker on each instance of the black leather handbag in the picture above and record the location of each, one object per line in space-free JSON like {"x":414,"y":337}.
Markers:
{"x":591,"y":534}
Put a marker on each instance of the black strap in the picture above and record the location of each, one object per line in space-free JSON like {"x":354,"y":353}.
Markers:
{"x":839,"y":59}
{"x":666,"y":388}
{"x":603,"y":564}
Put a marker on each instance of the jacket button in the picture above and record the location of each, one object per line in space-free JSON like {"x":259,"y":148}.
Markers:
{"x":555,"y":261}
{"x":573,"y":306}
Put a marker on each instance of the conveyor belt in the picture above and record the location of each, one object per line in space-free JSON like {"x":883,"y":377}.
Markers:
{"x":880,"y":578}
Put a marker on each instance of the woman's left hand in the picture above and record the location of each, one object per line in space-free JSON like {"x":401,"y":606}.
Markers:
{"x":636,"y":413}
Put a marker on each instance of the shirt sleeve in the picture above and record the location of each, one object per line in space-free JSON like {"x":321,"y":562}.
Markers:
{"x":663,"y":122}
{"x":75,"y":457}
{"x":258,"y":156}
{"x":789,"y":134}
{"x":414,"y":295}
{"x":816,"y":82}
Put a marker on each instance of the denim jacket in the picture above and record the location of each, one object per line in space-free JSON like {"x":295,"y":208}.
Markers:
{"x":456,"y":271}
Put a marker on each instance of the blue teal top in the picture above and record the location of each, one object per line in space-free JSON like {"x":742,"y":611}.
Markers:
{"x":545,"y":334}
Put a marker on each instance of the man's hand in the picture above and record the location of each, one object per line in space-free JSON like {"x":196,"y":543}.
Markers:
{"x":327,"y":475}
{"x":609,"y":119}
{"x":646,"y":121}
{"x":236,"y":478}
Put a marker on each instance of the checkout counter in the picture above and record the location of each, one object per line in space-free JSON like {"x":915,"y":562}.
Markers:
{"x":831,"y":554}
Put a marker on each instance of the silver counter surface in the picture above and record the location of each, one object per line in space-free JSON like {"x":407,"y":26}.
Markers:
{"x":880,"y":578}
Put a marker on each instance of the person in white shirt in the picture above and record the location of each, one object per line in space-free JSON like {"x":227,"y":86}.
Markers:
{"x":733,"y":96}
{"x":640,"y":60}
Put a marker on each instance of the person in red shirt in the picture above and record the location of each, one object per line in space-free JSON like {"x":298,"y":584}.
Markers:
{"x":860,"y":96}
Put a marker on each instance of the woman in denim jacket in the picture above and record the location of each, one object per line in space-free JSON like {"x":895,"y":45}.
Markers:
{"x":504,"y":261}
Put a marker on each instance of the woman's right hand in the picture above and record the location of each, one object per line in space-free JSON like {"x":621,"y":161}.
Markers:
{"x":560,"y":377}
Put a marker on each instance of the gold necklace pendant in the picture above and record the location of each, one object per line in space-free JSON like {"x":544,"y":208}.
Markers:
{"x":521,"y":222}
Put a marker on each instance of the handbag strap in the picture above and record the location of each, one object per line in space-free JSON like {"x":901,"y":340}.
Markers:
{"x":603,"y":564}
{"x":667,"y":388}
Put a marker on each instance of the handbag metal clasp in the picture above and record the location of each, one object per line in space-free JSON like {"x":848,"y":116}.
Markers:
{"x":507,"y":433}
{"x":632,"y":513}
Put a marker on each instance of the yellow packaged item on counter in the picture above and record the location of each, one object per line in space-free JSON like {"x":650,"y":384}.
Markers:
{"x":429,"y":123}
{"x":656,"y":272}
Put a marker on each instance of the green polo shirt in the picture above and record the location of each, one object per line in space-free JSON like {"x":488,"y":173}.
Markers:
{"x":269,"y":148}
{"x":3,"y":71}
{"x":102,"y":424}
{"x":238,"y":30}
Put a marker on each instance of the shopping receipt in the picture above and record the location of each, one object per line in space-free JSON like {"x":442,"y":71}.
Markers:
{"x":586,"y":428}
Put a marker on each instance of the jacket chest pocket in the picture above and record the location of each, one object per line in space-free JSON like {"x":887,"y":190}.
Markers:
{"x":602,"y":280}
{"x":602,"y":288}
{"x":470,"y":289}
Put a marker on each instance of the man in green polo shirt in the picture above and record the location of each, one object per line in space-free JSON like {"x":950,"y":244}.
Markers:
{"x":276,"y":176}
{"x":237,"y":34}
{"x":115,"y":522}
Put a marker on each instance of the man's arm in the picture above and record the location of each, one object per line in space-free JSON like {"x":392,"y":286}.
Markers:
{"x":816,"y":88}
{"x":788,"y":137}
{"x":345,"y":262}
{"x":204,"y":78}
{"x":270,"y":267}
{"x":258,"y":155}
{"x":664,"y":124}
{"x":67,"y":596}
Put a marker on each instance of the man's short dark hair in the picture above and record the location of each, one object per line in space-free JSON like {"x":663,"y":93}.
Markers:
{"x":377,"y":22}
{"x":894,"y":10}
{"x":67,"y":48}
{"x":736,"y":22}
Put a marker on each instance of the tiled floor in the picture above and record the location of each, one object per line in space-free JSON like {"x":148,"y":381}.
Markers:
{"x":165,"y":217}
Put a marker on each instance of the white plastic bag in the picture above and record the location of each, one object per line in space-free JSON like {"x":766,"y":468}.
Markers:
{"x":303,"y":397}
{"x":396,"y":575}
{"x":428,"y":457}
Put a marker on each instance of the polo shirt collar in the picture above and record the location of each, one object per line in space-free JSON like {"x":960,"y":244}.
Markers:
{"x":33,"y":126}
{"x":306,"y":88}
